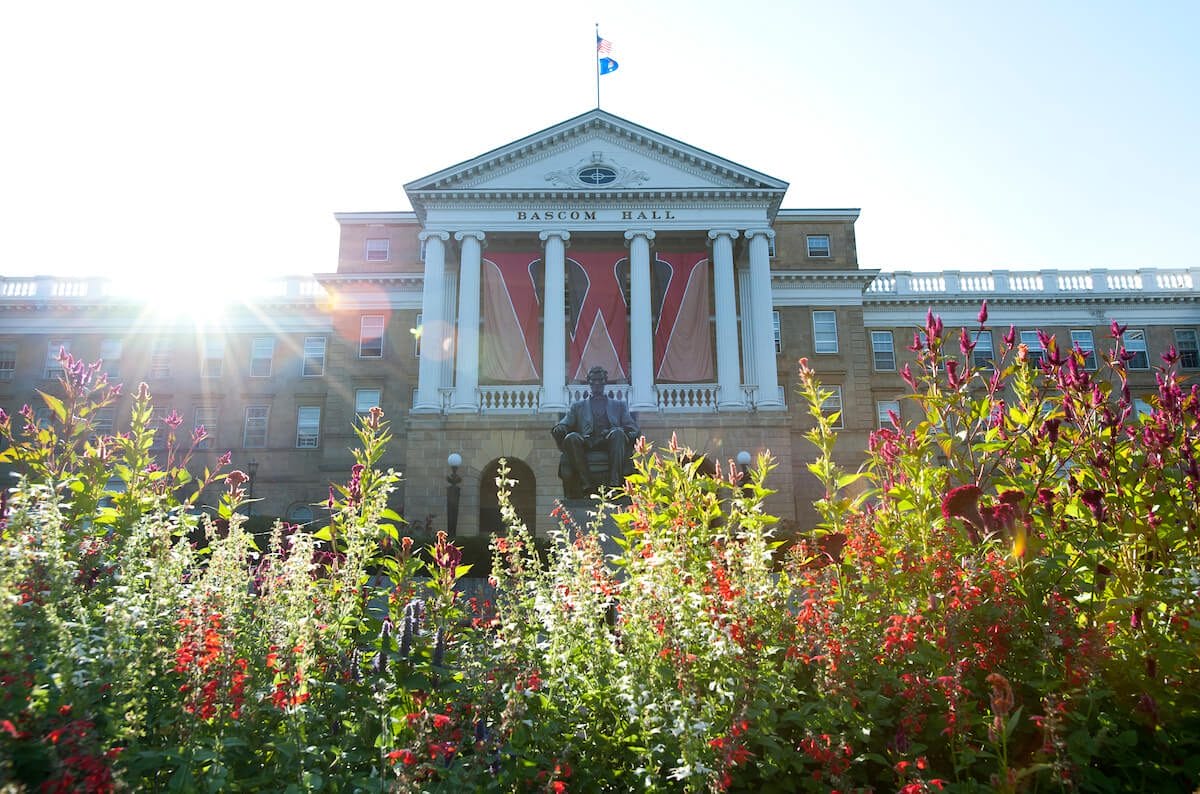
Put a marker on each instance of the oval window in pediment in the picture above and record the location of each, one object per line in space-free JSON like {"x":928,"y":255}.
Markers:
{"x":597,"y":175}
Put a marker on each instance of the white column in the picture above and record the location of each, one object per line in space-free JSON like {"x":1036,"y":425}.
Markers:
{"x":554,"y":322}
{"x":434,"y":337}
{"x":729,"y":381}
{"x":641,"y":325}
{"x":761,"y":321}
{"x":466,"y":366}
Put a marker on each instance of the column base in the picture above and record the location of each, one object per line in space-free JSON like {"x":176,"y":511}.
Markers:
{"x":465,"y":408}
{"x":426,"y":409}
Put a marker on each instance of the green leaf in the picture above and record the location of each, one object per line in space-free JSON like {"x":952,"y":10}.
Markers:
{"x":55,"y":405}
{"x":1011,"y":725}
{"x":850,"y":479}
{"x":324,"y":533}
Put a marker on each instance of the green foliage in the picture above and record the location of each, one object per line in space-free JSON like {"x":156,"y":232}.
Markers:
{"x":1005,"y":597}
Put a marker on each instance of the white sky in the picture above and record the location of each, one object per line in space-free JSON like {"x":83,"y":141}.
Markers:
{"x":166,"y":140}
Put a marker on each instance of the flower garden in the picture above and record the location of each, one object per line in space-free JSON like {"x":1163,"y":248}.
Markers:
{"x":1006,"y":597}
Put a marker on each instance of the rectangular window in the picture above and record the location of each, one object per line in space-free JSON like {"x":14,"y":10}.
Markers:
{"x":1135,"y":343}
{"x":1034,"y":344}
{"x":102,"y":421}
{"x":254,"y":434}
{"x":110,"y":355}
{"x":160,"y":433}
{"x":771,"y":246}
{"x":314,"y":357}
{"x":262,"y":354}
{"x":366,"y":399}
{"x":8,"y":360}
{"x":370,"y":338}
{"x":777,"y":332}
{"x":206,"y":417}
{"x":884,"y":409}
{"x":1141,"y":407}
{"x":308,"y":427}
{"x":884,"y":350}
{"x":832,"y":405}
{"x":417,"y":338}
{"x":1087,"y":345}
{"x":983,"y":356}
{"x":377,"y":250}
{"x":818,"y":245}
{"x":1189,"y":350}
{"x":54,"y":347}
{"x":214,"y":358}
{"x":825,"y":338}
{"x":160,"y":357}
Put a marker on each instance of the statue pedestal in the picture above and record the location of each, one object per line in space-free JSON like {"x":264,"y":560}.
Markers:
{"x":582,"y":511}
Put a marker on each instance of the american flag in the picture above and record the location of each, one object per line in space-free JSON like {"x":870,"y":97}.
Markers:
{"x":603,"y":46}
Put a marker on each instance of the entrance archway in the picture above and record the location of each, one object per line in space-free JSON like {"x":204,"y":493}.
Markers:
{"x":524,"y":496}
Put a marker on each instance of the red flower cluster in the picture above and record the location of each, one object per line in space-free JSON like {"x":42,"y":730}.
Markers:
{"x":212,"y":670}
{"x":832,"y":759}
{"x":732,"y":752}
{"x":291,"y":684}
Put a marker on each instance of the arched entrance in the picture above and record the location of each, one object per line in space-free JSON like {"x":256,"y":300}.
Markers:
{"x":524,"y":496}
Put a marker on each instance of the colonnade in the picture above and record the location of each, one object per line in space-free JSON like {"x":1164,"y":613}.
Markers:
{"x":734,"y":391}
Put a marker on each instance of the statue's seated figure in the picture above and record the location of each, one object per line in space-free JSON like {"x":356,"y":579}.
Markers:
{"x":596,"y":437}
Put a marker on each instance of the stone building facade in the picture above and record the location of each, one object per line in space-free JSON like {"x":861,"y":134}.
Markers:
{"x":471,"y":318}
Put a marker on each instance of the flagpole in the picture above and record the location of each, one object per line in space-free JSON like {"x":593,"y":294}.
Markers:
{"x":596,"y":58}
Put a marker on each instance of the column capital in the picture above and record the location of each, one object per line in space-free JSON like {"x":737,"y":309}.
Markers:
{"x":713,"y":234}
{"x":480,"y":236}
{"x":561,"y":234}
{"x":647,"y":233}
{"x":768,"y":233}
{"x":427,"y":234}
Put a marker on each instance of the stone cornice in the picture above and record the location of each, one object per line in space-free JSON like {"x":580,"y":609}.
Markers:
{"x":691,"y":198}
{"x":353,"y":218}
{"x":835,"y":214}
{"x":351,"y":281}
{"x":792,"y":279}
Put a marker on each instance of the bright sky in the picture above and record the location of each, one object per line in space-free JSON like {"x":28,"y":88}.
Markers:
{"x":166,"y":139}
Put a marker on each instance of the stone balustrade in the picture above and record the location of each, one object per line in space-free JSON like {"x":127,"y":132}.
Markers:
{"x":1025,"y":285}
{"x":509,"y":399}
{"x":91,"y":290}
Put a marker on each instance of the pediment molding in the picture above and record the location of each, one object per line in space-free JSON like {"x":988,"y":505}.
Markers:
{"x":618,"y":158}
{"x":518,"y":199}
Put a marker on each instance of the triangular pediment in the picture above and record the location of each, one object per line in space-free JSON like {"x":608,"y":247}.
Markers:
{"x":594,"y":154}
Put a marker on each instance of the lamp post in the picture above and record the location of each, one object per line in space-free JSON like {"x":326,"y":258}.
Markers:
{"x":252,"y":470}
{"x":453,"y":493}
{"x":743,"y":462}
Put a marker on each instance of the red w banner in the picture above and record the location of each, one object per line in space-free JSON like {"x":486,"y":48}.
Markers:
{"x":683,"y":343}
{"x":597,"y":316}
{"x":510,"y":349}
